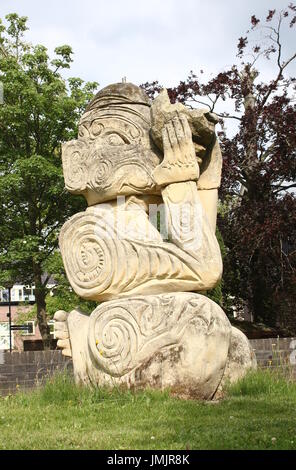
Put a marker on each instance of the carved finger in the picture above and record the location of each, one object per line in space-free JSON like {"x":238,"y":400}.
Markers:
{"x":172,"y":135}
{"x":60,"y":315}
{"x":60,"y":326}
{"x":67,"y":352}
{"x":178,"y":128}
{"x":64,"y":343}
{"x":186,"y":127}
{"x":165,"y":140}
{"x":61,"y":334}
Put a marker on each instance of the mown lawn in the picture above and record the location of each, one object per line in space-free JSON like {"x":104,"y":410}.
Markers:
{"x":258,"y":413}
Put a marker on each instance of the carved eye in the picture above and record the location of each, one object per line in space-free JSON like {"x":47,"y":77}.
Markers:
{"x":134,"y":133}
{"x":83,"y":132}
{"x":115,"y":139}
{"x":96,"y":128}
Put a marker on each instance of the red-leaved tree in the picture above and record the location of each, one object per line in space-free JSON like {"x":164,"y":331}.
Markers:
{"x":258,"y":206}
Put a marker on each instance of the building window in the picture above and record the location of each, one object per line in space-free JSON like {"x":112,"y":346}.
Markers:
{"x":51,"y":328}
{"x":31,"y":331}
{"x":27,"y":292}
{"x":4,"y":336}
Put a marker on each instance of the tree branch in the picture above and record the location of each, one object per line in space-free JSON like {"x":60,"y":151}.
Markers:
{"x":284,"y":188}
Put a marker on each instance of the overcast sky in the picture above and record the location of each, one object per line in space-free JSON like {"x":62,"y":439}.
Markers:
{"x":143,"y":40}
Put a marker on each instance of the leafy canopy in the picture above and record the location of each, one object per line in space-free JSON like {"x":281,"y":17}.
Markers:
{"x":40,"y":111}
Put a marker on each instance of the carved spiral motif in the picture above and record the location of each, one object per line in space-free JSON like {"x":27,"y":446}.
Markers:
{"x":113,"y":339}
{"x":74,"y":166}
{"x":101,"y":174}
{"x":96,"y":128}
{"x":125,"y":333}
{"x":87,"y":255}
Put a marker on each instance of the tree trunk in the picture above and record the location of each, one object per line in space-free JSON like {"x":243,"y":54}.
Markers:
{"x":251,"y":119}
{"x":40,"y":294}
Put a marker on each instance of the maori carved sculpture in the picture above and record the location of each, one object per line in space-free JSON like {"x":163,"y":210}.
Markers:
{"x":137,"y":163}
{"x":122,"y":335}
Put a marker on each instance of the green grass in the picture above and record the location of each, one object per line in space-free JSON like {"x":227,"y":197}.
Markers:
{"x":259,"y":412}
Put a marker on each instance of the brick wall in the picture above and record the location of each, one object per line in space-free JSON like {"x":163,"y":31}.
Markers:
{"x":26,"y":370}
{"x":276,"y":352}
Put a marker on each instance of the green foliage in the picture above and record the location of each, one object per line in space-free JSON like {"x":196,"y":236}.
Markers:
{"x":266,"y":383}
{"x":40,"y":111}
{"x":28,"y":315}
{"x":67,"y":300}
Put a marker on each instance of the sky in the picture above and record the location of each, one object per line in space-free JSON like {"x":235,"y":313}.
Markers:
{"x":144,"y":40}
{"x":149,"y":40}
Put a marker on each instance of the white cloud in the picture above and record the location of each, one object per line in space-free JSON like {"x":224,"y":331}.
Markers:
{"x":159,"y":39}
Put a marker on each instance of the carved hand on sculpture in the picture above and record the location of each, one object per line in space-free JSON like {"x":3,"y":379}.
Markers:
{"x":179,"y":163}
{"x":123,"y":259}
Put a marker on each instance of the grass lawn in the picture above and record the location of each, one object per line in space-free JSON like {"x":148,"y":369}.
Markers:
{"x":258,"y":413}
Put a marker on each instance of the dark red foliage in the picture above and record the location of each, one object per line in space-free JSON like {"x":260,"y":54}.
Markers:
{"x":293,"y":21}
{"x":270,"y":15}
{"x":254,"y":21}
{"x":292,"y":7}
{"x":152,"y":89}
{"x":258,"y":222}
{"x":242,"y":43}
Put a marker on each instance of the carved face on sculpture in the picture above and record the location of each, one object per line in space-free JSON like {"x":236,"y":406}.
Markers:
{"x":114,"y":154}
{"x":120,"y":144}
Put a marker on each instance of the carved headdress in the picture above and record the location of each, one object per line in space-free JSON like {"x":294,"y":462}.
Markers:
{"x":119,"y":94}
{"x":122,"y":97}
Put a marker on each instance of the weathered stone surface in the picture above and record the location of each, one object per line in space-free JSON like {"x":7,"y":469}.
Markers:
{"x":178,"y":340}
{"x":113,"y":154}
{"x":60,"y":315}
{"x":206,"y":147}
{"x":115,"y":252}
{"x":180,"y":162}
{"x":62,"y":332}
{"x":158,"y":157}
{"x":241,"y":357}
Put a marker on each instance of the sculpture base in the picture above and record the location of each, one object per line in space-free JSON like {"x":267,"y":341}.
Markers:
{"x":181,"y":341}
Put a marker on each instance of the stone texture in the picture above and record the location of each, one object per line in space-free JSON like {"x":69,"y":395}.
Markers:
{"x":202,"y":127}
{"x":113,"y":154}
{"x":116,"y":252}
{"x":130,"y":157}
{"x":62,"y":332}
{"x":241,"y":358}
{"x":178,"y":340}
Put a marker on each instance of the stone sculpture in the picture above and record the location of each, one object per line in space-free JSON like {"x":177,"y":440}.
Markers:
{"x":138,"y":163}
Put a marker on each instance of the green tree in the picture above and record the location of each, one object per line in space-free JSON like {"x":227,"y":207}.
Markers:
{"x":40,"y":110}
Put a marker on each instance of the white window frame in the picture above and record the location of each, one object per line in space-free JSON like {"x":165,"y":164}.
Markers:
{"x":7,"y":337}
{"x":51,"y":323}
{"x":26,"y":333}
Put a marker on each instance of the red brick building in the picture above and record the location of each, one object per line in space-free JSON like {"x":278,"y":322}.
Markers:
{"x":22,"y":301}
